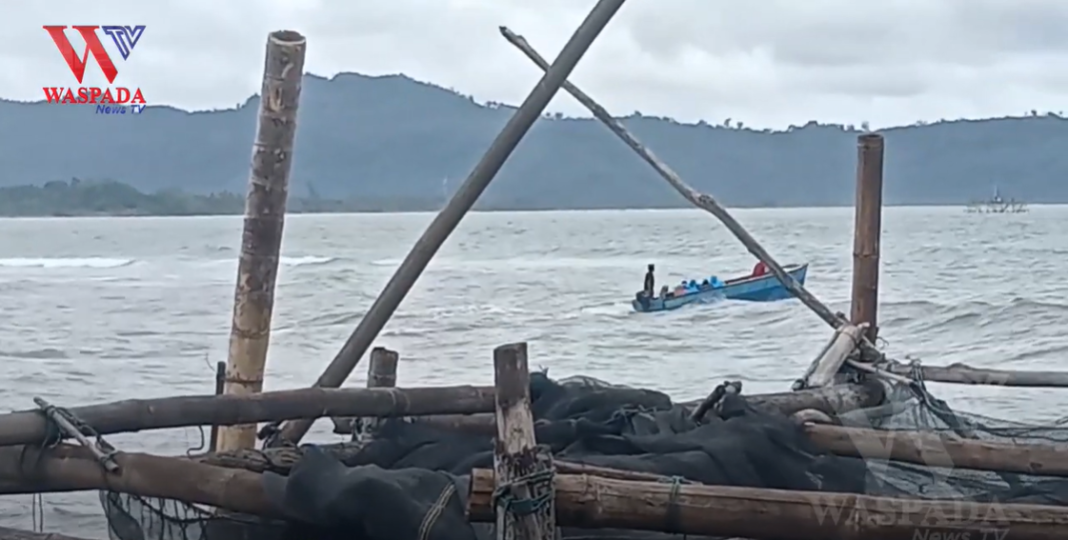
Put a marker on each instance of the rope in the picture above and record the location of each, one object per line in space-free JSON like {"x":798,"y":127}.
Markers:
{"x":672,"y":517}
{"x":505,"y":497}
{"x":435,"y":511}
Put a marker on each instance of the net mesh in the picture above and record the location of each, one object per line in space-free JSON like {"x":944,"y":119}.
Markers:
{"x":907,"y":407}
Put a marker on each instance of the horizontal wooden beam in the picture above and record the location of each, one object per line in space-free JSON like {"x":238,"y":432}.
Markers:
{"x":31,"y":427}
{"x":771,"y":514}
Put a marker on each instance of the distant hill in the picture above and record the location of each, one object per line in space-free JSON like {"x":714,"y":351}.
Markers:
{"x":389,"y":139}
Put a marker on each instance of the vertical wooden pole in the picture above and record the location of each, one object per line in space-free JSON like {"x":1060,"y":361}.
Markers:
{"x":867,"y":231}
{"x":449,"y":218}
{"x":524,"y":471}
{"x":220,"y":387}
{"x":265,"y":208}
{"x":381,"y":373}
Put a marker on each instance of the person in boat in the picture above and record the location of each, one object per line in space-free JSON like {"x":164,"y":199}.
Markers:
{"x":680,"y":289}
{"x":650,"y":282}
{"x":760,"y":269}
{"x":664,"y":292}
{"x":705,"y":285}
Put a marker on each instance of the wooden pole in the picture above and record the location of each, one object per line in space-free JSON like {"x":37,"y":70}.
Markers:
{"x":65,"y":467}
{"x":381,"y":373}
{"x":965,"y":374}
{"x":701,"y":200}
{"x":821,"y":373}
{"x":941,"y":450}
{"x":449,"y":217}
{"x":30,"y":427}
{"x":772,"y":514}
{"x":524,"y":471}
{"x":220,"y":388}
{"x":866,"y":232}
{"x":265,"y":208}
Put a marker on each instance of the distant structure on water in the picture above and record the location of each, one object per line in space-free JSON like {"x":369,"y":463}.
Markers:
{"x":997,"y":205}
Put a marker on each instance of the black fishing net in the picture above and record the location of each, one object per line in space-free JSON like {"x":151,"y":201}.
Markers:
{"x":408,"y":481}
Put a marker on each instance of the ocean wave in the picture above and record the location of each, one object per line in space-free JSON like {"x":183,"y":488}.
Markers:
{"x":308,"y":260}
{"x":64,"y":262}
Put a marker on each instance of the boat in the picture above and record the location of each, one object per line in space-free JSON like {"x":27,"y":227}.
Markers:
{"x":765,"y":288}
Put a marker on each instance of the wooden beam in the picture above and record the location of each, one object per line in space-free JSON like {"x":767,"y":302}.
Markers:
{"x":524,"y":470}
{"x":867,"y":230}
{"x":73,"y":468}
{"x":30,"y":427}
{"x":265,"y":211}
{"x":821,"y":373}
{"x":965,"y":374}
{"x":771,"y":514}
{"x":941,"y":450}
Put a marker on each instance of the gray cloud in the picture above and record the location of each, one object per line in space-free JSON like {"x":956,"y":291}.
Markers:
{"x":764,"y":62}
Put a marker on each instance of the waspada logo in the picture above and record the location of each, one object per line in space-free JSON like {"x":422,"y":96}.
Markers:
{"x":108,"y":99}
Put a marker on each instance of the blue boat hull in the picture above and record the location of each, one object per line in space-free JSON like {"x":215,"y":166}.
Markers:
{"x":766,"y":288}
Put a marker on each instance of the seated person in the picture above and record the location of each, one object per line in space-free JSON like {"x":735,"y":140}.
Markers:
{"x":664,"y":292}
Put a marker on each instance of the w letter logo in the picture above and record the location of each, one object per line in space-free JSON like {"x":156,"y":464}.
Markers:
{"x":125,"y":37}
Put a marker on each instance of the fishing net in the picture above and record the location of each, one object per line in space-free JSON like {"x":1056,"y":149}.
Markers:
{"x":907,"y":407}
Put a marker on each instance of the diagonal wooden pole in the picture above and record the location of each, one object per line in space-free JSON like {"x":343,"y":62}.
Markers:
{"x":449,"y":217}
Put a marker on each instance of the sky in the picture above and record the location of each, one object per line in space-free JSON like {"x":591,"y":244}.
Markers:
{"x":765,"y":63}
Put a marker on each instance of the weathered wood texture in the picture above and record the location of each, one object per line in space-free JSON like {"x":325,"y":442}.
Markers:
{"x":821,"y":373}
{"x":72,"y":468}
{"x":381,"y":373}
{"x":701,"y":200}
{"x":941,"y":450}
{"x":19,"y":534}
{"x":261,"y":241}
{"x":768,"y":514}
{"x":462,"y":201}
{"x":30,"y":427}
{"x":522,"y":468}
{"x":867,"y":230}
{"x":965,"y":374}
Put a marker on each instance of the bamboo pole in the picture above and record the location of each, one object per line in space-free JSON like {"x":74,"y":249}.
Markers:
{"x":941,"y":450}
{"x":866,"y":232}
{"x":381,"y":373}
{"x":31,"y":427}
{"x":701,"y":200}
{"x":964,"y":374}
{"x":265,"y":209}
{"x":450,"y":216}
{"x":773,"y":514}
{"x":73,"y":468}
{"x":821,"y":373}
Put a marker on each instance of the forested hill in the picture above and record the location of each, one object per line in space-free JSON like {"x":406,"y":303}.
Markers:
{"x":394,"y":139}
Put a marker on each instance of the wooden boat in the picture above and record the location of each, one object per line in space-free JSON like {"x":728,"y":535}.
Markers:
{"x":764,"y":288}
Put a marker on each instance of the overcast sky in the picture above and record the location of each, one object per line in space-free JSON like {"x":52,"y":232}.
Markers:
{"x":768,"y":63}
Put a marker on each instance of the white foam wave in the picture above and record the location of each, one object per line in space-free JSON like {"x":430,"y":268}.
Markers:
{"x":306,"y":261}
{"x":64,"y":262}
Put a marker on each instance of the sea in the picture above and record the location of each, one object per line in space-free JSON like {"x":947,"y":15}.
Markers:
{"x":101,"y":309}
